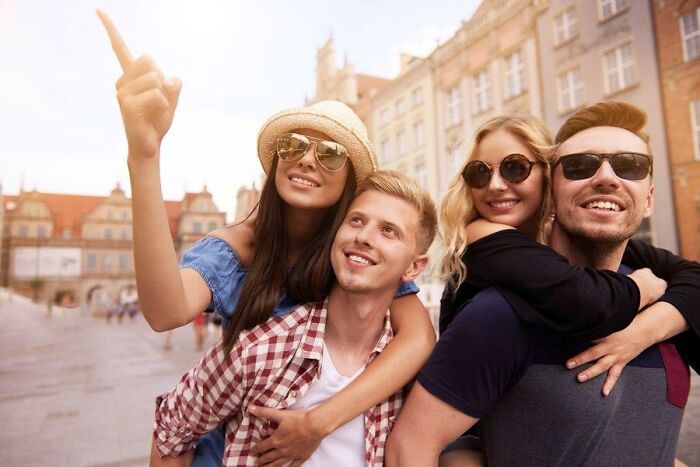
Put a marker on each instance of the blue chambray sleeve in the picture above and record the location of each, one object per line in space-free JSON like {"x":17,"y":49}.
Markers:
{"x":407,"y":288}
{"x":219,"y":266}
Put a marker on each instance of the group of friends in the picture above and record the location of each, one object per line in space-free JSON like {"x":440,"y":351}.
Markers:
{"x":329,"y":358}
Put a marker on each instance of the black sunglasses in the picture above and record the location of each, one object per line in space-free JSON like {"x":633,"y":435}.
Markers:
{"x":514,"y":168}
{"x":329,"y":154}
{"x":627,"y":165}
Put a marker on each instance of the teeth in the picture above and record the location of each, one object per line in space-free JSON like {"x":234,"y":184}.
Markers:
{"x":605,"y":205}
{"x":503,"y":204}
{"x":359,"y":259}
{"x":303,"y":181}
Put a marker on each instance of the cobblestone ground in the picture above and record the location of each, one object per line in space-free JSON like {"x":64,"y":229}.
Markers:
{"x":76,"y":391}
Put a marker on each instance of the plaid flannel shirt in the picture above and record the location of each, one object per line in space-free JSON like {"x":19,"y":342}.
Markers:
{"x":270,"y":365}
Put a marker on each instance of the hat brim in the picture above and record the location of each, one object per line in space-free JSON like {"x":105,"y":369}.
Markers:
{"x":359,"y":148}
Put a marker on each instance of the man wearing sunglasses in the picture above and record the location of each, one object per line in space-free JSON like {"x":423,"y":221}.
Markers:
{"x":490,"y":366}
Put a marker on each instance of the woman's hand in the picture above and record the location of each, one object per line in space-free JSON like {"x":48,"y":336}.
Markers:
{"x":295,"y":439}
{"x":651,"y":288}
{"x":147,"y":100}
{"x":612,"y":354}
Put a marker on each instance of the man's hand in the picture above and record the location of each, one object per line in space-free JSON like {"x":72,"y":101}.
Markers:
{"x":612,"y":354}
{"x":295,"y":439}
{"x":147,"y":100}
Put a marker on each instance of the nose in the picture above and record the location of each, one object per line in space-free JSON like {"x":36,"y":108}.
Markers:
{"x":309,"y":157}
{"x":497,"y":183}
{"x":605,"y":176}
{"x":364,"y":236}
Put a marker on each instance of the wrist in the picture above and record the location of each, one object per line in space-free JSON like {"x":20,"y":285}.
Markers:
{"x":322,"y":422}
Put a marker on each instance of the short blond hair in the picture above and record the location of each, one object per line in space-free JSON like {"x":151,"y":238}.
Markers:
{"x":405,"y":188}
{"x":608,"y":113}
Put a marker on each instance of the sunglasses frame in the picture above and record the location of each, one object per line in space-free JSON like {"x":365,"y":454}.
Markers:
{"x":602,"y":156}
{"x":493,"y":167}
{"x":311,"y":139}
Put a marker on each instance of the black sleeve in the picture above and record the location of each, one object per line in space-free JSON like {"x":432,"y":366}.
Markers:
{"x":544,"y":289}
{"x":683,"y":291}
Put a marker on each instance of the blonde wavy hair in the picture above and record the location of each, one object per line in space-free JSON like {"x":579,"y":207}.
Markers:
{"x":457,"y":208}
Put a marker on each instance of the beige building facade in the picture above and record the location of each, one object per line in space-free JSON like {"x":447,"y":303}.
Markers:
{"x":594,"y":50}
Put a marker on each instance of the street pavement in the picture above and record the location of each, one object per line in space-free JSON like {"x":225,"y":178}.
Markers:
{"x":76,"y":391}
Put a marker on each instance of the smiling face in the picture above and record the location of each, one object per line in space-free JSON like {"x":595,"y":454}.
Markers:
{"x":514,"y":204}
{"x":603,"y":208}
{"x":376,"y":246}
{"x":304,"y":184}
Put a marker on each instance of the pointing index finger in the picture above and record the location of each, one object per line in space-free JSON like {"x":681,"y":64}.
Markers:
{"x":118,"y":44}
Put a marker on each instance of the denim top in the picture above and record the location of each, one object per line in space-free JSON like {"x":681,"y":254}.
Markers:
{"x":221,"y":269}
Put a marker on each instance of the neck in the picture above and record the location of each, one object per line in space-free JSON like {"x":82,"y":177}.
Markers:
{"x":584,"y":252}
{"x":355,"y":322}
{"x":301,"y":225}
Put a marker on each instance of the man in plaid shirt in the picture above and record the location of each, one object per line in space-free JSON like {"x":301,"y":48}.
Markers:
{"x":302,"y":358}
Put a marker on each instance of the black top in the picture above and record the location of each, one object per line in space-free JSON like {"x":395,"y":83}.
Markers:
{"x":576,"y":303}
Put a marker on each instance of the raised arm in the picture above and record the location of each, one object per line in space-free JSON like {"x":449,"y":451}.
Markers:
{"x":300,"y":432}
{"x":168,"y":297}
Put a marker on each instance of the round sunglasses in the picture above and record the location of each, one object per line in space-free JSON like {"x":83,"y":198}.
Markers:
{"x":329,"y":154}
{"x":514,"y":168}
{"x":627,"y":165}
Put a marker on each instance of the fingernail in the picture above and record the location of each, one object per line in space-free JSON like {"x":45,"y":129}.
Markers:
{"x":582,"y":378}
{"x":570,"y":364}
{"x":252,"y":409}
{"x":606,"y":391}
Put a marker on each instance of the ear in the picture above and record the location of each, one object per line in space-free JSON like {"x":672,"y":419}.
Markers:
{"x":416,"y":267}
{"x":649,"y":202}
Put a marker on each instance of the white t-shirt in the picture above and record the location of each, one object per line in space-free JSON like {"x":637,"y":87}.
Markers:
{"x":345,"y":446}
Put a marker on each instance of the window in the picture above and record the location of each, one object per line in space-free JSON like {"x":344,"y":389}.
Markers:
{"x":384,"y":116}
{"x":106,"y":263}
{"x":213,"y":226}
{"x":67,"y":233}
{"x":108,"y":233}
{"x":690,"y":35}
{"x":384,"y":152}
{"x":481,"y":92}
{"x":41,"y":231}
{"x":515,"y":74}
{"x":608,"y":8}
{"x":125,"y":215}
{"x":109,"y":214}
{"x":400,"y":107}
{"x":196,"y":227}
{"x":401,"y":142}
{"x":421,"y":174}
{"x":418,"y":134}
{"x":454,"y":113}
{"x":454,"y":159}
{"x":695,"y":125}
{"x":123,"y":262}
{"x":565,"y":26}
{"x":569,"y":90}
{"x":619,"y":68}
{"x":417,"y":96}
{"x":23,"y":231}
{"x":91,"y":261}
{"x":124,"y":234}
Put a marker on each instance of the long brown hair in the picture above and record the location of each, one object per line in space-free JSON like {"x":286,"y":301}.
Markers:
{"x":308,"y":280}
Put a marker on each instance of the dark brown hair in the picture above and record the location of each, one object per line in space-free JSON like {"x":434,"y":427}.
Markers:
{"x":308,"y":280}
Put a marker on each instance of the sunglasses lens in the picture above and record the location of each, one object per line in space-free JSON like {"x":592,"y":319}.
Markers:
{"x":331,"y":156}
{"x":476,"y":174}
{"x":580,"y":166}
{"x":515,"y":168}
{"x":291,"y":146}
{"x":630,"y":166}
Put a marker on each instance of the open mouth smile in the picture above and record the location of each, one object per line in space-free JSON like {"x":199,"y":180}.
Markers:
{"x":303,"y":181}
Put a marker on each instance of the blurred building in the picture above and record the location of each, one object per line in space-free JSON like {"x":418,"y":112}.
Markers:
{"x":57,"y":242}
{"x":678,"y":46}
{"x":246,"y":200}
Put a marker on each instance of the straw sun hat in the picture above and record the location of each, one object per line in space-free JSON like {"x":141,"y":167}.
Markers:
{"x":332,"y":118}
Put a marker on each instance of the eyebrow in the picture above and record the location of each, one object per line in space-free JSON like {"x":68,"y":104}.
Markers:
{"x":382,"y":222}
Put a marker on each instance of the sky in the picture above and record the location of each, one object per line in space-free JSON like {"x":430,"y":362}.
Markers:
{"x":240,"y":62}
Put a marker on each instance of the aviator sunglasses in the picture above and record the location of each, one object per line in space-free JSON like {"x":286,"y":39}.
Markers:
{"x":329,"y":154}
{"x":627,"y":165}
{"x":514,"y":168}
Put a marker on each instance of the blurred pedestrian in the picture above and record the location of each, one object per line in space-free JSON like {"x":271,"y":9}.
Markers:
{"x":199,"y":324}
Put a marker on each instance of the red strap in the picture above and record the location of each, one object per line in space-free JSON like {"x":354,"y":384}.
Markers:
{"x":677,"y":375}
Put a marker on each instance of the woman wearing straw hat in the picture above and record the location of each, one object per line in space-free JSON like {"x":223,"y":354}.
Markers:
{"x":276,"y":258}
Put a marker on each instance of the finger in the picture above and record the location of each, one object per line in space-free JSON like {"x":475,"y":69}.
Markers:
{"x":153,"y":101}
{"x":141,"y":66}
{"x":600,"y":367}
{"x":297,"y":463}
{"x":142,"y":84}
{"x":263,"y":446}
{"x":269,"y":457}
{"x":587,"y":356}
{"x":611,"y":380}
{"x":172,"y":91}
{"x":118,"y":44}
{"x":279,"y":462}
{"x":266,"y":412}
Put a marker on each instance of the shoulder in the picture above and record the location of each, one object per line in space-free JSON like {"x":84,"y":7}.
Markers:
{"x":481,"y":228}
{"x":241,"y":238}
{"x":487,"y":313}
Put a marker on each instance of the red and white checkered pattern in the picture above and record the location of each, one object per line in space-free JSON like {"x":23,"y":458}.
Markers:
{"x":271,"y":365}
